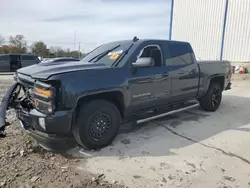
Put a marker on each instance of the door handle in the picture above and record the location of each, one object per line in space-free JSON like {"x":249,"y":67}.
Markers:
{"x":181,"y":72}
{"x":193,"y":71}
{"x":160,"y":77}
{"x":149,"y":80}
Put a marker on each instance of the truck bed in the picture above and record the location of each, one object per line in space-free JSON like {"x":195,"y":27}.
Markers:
{"x":213,"y":68}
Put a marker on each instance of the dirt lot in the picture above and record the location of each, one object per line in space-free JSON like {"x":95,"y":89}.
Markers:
{"x":189,"y":149}
{"x":25,"y":164}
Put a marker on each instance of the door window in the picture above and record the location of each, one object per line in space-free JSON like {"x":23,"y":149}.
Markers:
{"x":154,"y":52}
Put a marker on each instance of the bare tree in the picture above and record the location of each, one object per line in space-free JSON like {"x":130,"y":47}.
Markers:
{"x":19,"y":42}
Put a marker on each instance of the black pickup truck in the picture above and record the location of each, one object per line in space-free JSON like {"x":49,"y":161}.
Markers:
{"x":87,"y":101}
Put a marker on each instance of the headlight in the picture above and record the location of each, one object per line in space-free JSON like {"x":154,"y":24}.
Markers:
{"x":44,"y":97}
{"x":43,"y":93}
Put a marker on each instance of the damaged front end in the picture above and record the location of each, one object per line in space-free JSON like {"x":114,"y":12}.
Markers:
{"x":28,"y":96}
{"x":15,"y":98}
{"x":36,"y":107}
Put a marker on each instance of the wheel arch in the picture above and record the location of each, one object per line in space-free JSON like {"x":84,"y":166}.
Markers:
{"x":116,"y":97}
{"x":220,"y":79}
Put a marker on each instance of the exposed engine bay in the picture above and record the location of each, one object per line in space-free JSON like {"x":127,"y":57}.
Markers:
{"x":21,"y":98}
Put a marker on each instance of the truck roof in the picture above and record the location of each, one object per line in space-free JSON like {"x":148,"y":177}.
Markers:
{"x":162,"y":40}
{"x":139,"y":41}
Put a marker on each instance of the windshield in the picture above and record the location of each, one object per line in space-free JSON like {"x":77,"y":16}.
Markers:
{"x":107,"y":53}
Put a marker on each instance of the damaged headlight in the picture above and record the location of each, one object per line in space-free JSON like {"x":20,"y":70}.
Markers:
{"x":43,"y":97}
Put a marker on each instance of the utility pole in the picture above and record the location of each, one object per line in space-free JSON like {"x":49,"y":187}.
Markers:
{"x":74,"y":43}
{"x":79,"y":51}
{"x":74,"y":40}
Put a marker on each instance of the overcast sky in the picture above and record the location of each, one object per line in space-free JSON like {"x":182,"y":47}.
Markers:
{"x":94,"y":21}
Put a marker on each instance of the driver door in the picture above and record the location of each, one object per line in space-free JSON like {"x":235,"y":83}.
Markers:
{"x":149,"y":86}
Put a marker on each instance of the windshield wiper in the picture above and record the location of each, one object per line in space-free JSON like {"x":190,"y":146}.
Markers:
{"x":101,"y":55}
{"x":122,"y":56}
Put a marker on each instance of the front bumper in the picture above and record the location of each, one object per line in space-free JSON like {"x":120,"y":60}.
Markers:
{"x":50,"y":142}
{"x":58,"y":123}
{"x":55,"y":135}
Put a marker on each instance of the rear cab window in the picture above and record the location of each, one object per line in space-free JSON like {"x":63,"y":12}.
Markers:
{"x":178,"y":53}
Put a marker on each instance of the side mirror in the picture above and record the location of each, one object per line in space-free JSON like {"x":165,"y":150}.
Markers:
{"x":144,"y":62}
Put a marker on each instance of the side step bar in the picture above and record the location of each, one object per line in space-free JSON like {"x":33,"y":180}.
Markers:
{"x":168,"y":113}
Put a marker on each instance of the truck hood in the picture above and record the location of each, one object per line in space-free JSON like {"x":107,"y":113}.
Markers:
{"x":44,"y":71}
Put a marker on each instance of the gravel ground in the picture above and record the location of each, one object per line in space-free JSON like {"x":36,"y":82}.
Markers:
{"x":25,"y":164}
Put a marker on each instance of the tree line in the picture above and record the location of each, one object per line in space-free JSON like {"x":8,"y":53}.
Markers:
{"x":18,"y":44}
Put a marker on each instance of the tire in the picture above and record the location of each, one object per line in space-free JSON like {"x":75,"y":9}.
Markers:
{"x":87,"y":131}
{"x":211,"y":101}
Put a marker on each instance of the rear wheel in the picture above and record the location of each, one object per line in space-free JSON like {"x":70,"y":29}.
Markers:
{"x":97,"y":124}
{"x":211,"y":101}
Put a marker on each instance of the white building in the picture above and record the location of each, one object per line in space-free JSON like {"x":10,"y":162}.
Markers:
{"x":217,"y":29}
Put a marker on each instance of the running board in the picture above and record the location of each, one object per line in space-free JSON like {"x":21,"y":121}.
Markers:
{"x":167,"y":113}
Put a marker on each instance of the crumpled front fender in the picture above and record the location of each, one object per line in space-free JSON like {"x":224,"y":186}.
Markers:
{"x":6,"y":101}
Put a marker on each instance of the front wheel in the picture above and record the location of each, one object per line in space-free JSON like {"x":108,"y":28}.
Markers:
{"x":211,"y":101}
{"x":97,"y":124}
